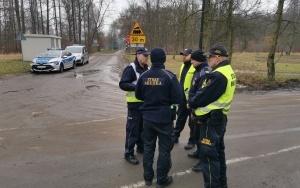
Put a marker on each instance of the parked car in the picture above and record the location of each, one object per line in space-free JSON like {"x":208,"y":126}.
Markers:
{"x":53,"y":60}
{"x":81,"y":53}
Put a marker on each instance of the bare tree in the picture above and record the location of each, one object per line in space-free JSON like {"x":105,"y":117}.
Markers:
{"x":275,"y":34}
{"x":18,"y":14}
{"x":47,"y":18}
{"x":55,"y":18}
{"x":42,"y":19}
{"x":23,"y":16}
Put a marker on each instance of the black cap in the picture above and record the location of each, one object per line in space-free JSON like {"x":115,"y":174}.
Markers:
{"x":198,"y":55}
{"x":217,"y":50}
{"x":142,"y":50}
{"x":158,"y":55}
{"x":186,"y":51}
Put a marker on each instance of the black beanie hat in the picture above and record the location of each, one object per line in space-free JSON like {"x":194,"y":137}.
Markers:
{"x":198,"y":55}
{"x":158,"y":55}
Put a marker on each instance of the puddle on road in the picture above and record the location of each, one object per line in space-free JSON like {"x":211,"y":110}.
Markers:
{"x":85,"y":73}
{"x":16,"y":91}
{"x":92,"y":87}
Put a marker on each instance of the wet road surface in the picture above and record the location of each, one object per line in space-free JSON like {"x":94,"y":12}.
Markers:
{"x":68,"y":130}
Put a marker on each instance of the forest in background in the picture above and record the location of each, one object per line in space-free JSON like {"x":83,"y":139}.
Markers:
{"x":240,"y":25}
{"x":172,"y":24}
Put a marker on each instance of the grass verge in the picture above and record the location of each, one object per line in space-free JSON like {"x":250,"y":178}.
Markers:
{"x":251,"y":70}
{"x":13,"y":64}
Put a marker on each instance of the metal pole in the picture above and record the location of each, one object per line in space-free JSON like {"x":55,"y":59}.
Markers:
{"x":202,"y":25}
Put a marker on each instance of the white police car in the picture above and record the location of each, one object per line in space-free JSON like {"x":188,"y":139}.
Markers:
{"x":53,"y":60}
{"x":80,"y":52}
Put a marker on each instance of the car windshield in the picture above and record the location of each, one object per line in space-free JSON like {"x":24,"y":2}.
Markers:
{"x":74,"y":49}
{"x":51,"y":53}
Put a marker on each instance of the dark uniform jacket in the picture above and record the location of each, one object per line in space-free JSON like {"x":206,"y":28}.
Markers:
{"x":159,"y":89}
{"x":199,"y":76}
{"x":216,"y":86}
{"x":128,"y":77}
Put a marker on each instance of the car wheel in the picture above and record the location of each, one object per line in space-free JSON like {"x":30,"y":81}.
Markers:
{"x":61,"y":68}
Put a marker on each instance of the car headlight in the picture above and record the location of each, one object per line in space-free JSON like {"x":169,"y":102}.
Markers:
{"x":54,"y":63}
{"x":33,"y":61}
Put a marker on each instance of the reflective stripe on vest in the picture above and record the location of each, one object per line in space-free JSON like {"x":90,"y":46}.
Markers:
{"x":225,"y":100}
{"x":130,"y":95}
{"x":188,"y":79}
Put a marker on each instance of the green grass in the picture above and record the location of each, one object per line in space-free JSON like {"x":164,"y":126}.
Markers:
{"x":251,"y":68}
{"x":13,"y":64}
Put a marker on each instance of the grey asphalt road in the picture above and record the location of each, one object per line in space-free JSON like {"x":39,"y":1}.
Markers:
{"x":67,"y":130}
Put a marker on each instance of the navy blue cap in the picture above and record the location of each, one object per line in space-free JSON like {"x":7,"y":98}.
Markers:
{"x":142,"y":50}
{"x":186,"y":51}
{"x":217,"y":50}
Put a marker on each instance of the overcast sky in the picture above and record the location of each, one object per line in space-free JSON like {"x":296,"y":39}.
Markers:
{"x":120,"y":5}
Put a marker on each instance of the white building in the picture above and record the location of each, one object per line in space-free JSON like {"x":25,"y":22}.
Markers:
{"x":36,"y":44}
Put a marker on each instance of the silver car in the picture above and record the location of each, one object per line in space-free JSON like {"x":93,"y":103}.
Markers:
{"x":80,"y":52}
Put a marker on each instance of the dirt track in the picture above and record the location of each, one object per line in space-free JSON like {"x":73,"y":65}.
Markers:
{"x":68,"y":130}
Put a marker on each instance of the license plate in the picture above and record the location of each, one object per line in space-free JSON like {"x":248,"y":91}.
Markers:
{"x":41,"y":67}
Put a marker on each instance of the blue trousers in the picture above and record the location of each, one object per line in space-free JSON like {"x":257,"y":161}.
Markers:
{"x":212,"y":151}
{"x":134,"y":128}
{"x":163,"y":132}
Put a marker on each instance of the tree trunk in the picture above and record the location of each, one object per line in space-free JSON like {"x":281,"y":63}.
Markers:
{"x":207,"y":25}
{"x":230,"y":30}
{"x":42,"y":20}
{"x":60,"y":23}
{"x":23,"y":16}
{"x":73,"y":21}
{"x":48,"y":22}
{"x":79,"y":21}
{"x":55,"y":18}
{"x":18,"y":14}
{"x":272,"y":49}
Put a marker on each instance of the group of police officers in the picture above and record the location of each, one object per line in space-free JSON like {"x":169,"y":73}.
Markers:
{"x":203,"y":91}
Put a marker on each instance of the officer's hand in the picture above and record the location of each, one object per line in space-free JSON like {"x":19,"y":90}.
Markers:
{"x":193,"y":117}
{"x":188,"y":106}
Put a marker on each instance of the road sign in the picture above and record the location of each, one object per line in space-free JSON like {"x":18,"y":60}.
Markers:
{"x":137,"y":30}
{"x":137,"y":39}
{"x":20,"y":36}
{"x":136,"y":45}
{"x":127,"y":38}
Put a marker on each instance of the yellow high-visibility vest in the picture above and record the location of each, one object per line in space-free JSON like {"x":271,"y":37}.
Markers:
{"x":187,"y":80}
{"x":225,"y":99}
{"x":130,"y":95}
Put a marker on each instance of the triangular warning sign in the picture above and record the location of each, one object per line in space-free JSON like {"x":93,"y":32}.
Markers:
{"x":137,"y":30}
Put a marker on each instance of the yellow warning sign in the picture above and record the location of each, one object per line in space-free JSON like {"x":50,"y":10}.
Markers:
{"x":137,"y":30}
{"x":137,"y":39}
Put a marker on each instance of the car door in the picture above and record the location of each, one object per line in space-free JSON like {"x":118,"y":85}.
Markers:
{"x":85,"y":54}
{"x":65,"y":60}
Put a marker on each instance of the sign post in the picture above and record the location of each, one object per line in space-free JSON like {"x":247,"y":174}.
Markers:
{"x":137,"y":36}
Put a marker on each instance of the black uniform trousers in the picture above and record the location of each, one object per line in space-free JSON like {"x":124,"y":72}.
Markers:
{"x":196,"y":135}
{"x":212,"y":151}
{"x":163,"y":132}
{"x":134,"y":128}
{"x":182,"y":115}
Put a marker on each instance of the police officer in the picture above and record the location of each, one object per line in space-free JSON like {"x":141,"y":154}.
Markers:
{"x":185,"y":78}
{"x":159,"y":89}
{"x":198,"y":61}
{"x":212,"y":103}
{"x":134,"y":123}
